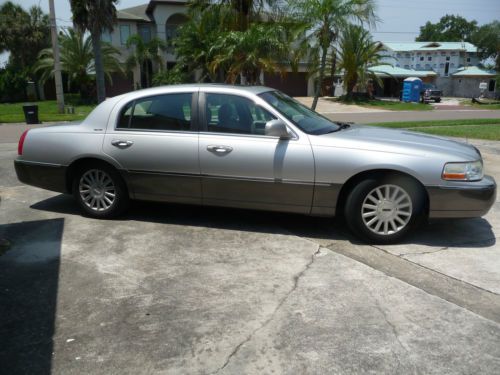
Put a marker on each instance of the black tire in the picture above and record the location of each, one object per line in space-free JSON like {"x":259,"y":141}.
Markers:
{"x":438,"y":100}
{"x":102,"y":193}
{"x":358,"y":198}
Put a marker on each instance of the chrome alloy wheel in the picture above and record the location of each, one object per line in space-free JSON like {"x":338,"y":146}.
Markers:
{"x":387,"y":209}
{"x":97,"y":190}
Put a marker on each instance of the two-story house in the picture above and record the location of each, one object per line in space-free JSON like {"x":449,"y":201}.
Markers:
{"x":161,"y":18}
{"x":451,"y":66}
{"x":158,"y":18}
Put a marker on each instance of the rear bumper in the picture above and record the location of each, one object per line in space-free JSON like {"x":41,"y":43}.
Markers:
{"x":462,"y":199}
{"x":45,"y":176}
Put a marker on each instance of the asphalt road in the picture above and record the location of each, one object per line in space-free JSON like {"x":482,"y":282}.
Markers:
{"x":365,"y":118}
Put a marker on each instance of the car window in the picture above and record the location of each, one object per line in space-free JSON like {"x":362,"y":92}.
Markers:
{"x":306,"y":119}
{"x":161,"y":112}
{"x":235,"y":114}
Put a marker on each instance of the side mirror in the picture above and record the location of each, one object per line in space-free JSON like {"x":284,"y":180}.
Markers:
{"x":277,"y":128}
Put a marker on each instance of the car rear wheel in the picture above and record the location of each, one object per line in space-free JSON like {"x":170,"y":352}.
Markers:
{"x":100,"y":191}
{"x":384,"y":210}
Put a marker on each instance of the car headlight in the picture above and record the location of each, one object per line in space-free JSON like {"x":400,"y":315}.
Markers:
{"x":469,"y":171}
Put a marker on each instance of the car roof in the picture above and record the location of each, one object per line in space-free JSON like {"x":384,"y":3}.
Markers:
{"x":159,"y":89}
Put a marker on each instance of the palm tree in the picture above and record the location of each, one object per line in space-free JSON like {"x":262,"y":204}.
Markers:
{"x":95,"y":16}
{"x":326,"y":18}
{"x":77,"y":61}
{"x":260,"y":48}
{"x":358,"y":52}
{"x":145,"y":52}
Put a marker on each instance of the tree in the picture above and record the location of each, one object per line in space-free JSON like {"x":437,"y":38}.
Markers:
{"x":193,"y":44}
{"x":145,"y":52}
{"x":77,"y":61}
{"x":450,"y":28}
{"x":215,"y":27}
{"x":23,"y":34}
{"x":357,"y":52}
{"x":260,"y":48}
{"x":487,"y":40}
{"x":95,"y":16}
{"x":326,"y":18}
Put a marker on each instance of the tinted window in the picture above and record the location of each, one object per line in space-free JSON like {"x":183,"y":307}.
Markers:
{"x":162,"y":112}
{"x":235,"y":114}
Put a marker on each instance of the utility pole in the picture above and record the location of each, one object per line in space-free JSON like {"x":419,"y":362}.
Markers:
{"x":57,"y":61}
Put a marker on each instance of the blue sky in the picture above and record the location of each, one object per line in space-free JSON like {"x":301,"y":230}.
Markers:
{"x":400,"y":19}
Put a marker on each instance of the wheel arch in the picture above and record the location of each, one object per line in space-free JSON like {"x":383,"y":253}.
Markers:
{"x":374,"y":173}
{"x":77,"y":164}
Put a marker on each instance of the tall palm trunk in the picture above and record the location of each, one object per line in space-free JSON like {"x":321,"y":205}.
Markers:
{"x":99,"y":66}
{"x":333,"y":69}
{"x":321,"y":77}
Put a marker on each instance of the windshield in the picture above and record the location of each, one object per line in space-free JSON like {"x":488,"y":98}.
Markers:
{"x":306,"y":119}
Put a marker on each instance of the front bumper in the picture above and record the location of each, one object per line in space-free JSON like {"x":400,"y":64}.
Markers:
{"x":462,"y":199}
{"x":45,"y":176}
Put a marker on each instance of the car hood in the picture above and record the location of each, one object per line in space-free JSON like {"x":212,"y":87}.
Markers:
{"x":396,"y":141}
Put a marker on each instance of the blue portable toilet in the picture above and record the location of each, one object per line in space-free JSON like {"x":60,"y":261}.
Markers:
{"x":412,"y":87}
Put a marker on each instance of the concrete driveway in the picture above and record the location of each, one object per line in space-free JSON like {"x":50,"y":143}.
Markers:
{"x":187,"y":290}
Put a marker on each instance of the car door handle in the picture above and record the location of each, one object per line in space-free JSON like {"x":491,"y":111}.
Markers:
{"x":121,"y":144}
{"x":219,"y":149}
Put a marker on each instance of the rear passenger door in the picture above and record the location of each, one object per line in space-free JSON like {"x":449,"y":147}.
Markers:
{"x":155,"y":140}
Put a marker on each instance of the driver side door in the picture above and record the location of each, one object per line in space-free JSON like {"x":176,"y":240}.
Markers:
{"x":242,"y":167}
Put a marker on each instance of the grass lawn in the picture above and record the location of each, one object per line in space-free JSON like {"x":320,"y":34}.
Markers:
{"x":47,"y":111}
{"x":486,"y":106}
{"x":479,"y":128}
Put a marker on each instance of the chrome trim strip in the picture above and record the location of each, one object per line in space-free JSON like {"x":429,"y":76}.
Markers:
{"x":237,"y":178}
{"x":39,"y":163}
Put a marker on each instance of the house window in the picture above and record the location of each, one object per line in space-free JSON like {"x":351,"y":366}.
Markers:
{"x":418,"y":66}
{"x":429,"y":58}
{"x":145,"y":32}
{"x":491,"y":86}
{"x":468,"y":59}
{"x":124,"y":34}
{"x":106,"y":36}
{"x":447,"y":58}
{"x":421,"y":58}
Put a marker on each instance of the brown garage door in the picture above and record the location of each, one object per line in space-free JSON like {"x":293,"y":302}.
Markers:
{"x":293,"y":84}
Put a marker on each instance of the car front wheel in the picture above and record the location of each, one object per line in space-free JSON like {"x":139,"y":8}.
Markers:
{"x":384,"y":210}
{"x":100,"y":192}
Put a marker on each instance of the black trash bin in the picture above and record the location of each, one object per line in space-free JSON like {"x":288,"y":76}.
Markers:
{"x":31,"y":113}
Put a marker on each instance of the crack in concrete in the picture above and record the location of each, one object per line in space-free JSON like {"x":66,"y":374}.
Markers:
{"x":428,"y":269}
{"x":394,"y":331}
{"x":282,"y":301}
{"x":453,"y":246}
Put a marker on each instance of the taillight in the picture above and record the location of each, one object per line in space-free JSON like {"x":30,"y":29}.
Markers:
{"x":21,"y":142}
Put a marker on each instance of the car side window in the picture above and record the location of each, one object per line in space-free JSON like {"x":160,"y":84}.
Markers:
{"x":235,"y":114}
{"x":161,"y":112}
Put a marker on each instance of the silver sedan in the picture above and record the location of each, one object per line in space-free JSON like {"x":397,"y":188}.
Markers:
{"x":256,"y":148}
